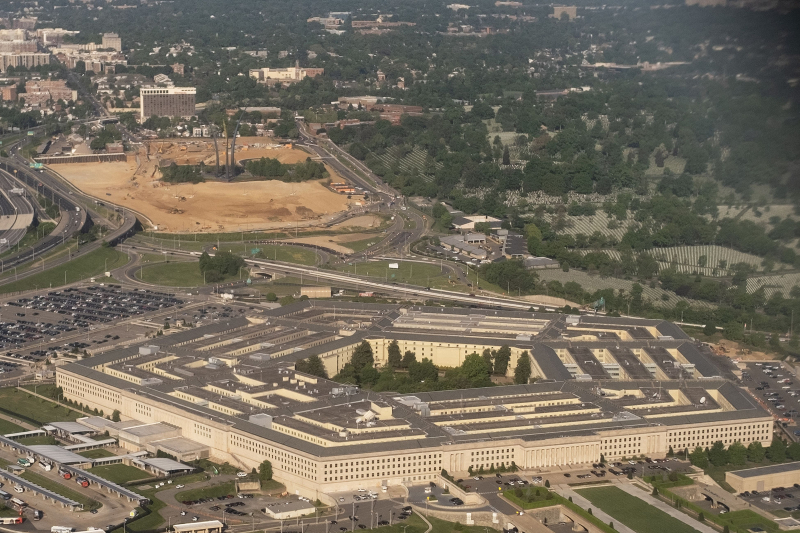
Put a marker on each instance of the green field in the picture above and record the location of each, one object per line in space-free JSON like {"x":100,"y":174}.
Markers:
{"x":633,"y":512}
{"x":119,"y":473}
{"x":39,"y":440}
{"x":358,"y":246}
{"x":14,"y":401}
{"x":99,"y":453}
{"x":180,"y":274}
{"x":212,"y":491}
{"x":287,"y":253}
{"x":58,"y":488}
{"x":424,"y":274}
{"x":7,"y":427}
{"x":92,"y":264}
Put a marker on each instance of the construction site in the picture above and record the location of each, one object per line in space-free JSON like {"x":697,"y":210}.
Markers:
{"x":215,"y":204}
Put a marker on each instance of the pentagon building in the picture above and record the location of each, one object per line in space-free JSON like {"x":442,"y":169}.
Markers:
{"x":613,"y":386}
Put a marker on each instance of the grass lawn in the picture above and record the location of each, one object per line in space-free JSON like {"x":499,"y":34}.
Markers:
{"x":14,"y":401}
{"x":7,"y":427}
{"x":47,"y":483}
{"x":747,"y":519}
{"x":177,"y":274}
{"x":38,"y":440}
{"x":119,"y":473}
{"x":424,"y":274}
{"x":358,"y":246}
{"x":211,"y":491}
{"x":287,"y":252}
{"x":633,"y":512}
{"x":92,"y":264}
{"x":96,"y":454}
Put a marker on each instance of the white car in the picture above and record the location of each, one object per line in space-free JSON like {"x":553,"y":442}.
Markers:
{"x":241,"y":474}
{"x":179,"y":486}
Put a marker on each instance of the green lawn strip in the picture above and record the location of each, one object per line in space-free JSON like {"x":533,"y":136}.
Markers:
{"x":38,"y":440}
{"x":33,"y":409}
{"x":442,"y":526}
{"x":58,"y":488}
{"x":96,"y":454}
{"x":7,"y":512}
{"x":634,"y":512}
{"x":212,"y":491}
{"x":423,"y":274}
{"x":558,"y":500}
{"x":86,"y":266}
{"x":119,"y":473}
{"x":7,"y":427}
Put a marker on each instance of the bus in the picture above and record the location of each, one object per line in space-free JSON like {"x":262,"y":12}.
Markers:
{"x":5,"y":495}
{"x":22,"y":461}
{"x":7,"y":520}
{"x":18,"y":504}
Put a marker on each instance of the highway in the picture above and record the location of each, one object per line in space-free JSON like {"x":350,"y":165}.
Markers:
{"x":74,"y":217}
{"x":346,"y":280}
{"x":12,"y":205}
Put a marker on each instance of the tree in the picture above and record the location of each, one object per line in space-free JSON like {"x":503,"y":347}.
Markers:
{"x":424,"y":371}
{"x":699,"y":458}
{"x":506,"y":156}
{"x":670,"y":452}
{"x":475,"y":369}
{"x":265,"y":471}
{"x":755,"y":452}
{"x":115,"y":416}
{"x":737,"y":454}
{"x":522,"y":372}
{"x":547,"y":483}
{"x":313,"y":365}
{"x":501,"y":360}
{"x":717,"y":455}
{"x":793,"y":451}
{"x":362,"y":356}
{"x":655,"y":491}
{"x":395,"y":359}
{"x":777,"y":451}
{"x":488,"y":356}
{"x":408,"y":358}
{"x":710,"y":328}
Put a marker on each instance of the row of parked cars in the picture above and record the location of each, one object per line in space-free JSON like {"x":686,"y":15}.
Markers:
{"x":99,"y":304}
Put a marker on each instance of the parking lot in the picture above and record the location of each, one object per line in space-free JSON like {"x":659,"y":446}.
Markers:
{"x":777,"y":388}
{"x":94,"y":318}
{"x":786,"y":498}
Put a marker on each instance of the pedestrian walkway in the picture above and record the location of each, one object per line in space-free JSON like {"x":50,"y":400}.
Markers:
{"x":674,"y":513}
{"x":580,"y":501}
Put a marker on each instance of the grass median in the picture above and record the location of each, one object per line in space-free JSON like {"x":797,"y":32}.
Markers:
{"x":212,"y":491}
{"x":92,"y":264}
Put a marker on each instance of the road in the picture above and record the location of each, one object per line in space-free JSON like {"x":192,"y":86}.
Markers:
{"x":20,"y":205}
{"x":74,"y":217}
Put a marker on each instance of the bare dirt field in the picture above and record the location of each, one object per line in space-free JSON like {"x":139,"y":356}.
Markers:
{"x":209,"y":206}
{"x":335,"y":242}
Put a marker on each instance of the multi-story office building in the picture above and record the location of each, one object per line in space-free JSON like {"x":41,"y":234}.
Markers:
{"x":167,"y":102}
{"x":611,"y":387}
